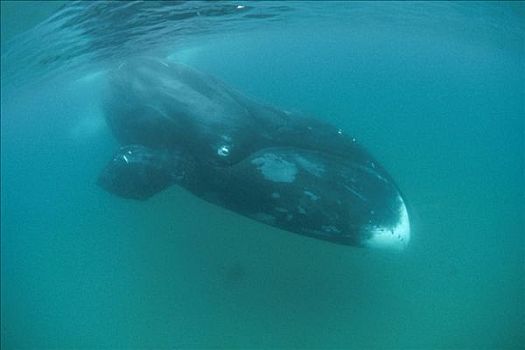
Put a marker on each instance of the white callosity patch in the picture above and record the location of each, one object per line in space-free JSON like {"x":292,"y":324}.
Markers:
{"x":313,"y":168}
{"x":223,"y":151}
{"x":275,"y":169}
{"x":124,"y":157}
{"x":394,"y":237}
{"x":224,"y":147}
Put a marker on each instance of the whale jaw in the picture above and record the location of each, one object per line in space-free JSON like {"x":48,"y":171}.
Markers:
{"x":395,"y":236}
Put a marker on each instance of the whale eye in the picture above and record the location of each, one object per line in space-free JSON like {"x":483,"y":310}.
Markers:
{"x":223,"y":151}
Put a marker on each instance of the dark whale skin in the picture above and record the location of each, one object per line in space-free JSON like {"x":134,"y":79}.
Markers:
{"x":296,"y":173}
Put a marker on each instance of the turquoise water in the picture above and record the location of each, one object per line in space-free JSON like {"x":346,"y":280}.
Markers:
{"x":434,"y":90}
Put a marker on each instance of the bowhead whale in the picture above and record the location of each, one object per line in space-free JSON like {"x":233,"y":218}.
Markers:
{"x":179,"y":126}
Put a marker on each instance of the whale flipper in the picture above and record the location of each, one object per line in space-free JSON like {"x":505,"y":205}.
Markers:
{"x":138,"y":172}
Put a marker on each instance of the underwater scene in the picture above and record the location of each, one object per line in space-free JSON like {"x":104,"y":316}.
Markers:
{"x":262,"y":174}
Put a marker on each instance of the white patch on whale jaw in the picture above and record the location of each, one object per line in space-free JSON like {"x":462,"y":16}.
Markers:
{"x":313,"y":168}
{"x":394,"y":237}
{"x":275,"y":169}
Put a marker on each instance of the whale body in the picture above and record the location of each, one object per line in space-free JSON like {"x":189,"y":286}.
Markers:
{"x":179,"y":126}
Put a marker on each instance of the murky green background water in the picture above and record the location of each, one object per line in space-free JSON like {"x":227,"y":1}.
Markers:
{"x":440,"y":101}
